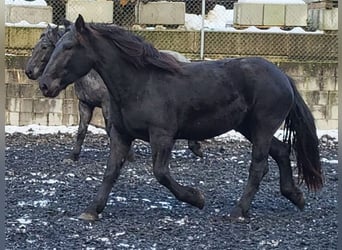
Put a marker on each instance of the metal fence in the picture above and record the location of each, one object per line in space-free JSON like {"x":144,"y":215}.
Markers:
{"x":219,"y":40}
{"x":124,"y":10}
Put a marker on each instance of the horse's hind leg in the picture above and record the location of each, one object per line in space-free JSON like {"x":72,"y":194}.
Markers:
{"x":281,"y":154}
{"x":257,"y":170}
{"x":86,"y":113}
{"x":119,"y":147}
{"x":161,"y":145}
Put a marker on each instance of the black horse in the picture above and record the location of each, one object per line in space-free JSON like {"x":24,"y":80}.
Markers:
{"x":90,"y":89}
{"x":158,"y":99}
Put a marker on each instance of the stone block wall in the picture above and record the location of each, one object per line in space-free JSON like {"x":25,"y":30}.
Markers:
{"x":318,"y":85}
{"x":317,"y":82}
{"x":31,"y":14}
{"x":248,"y":14}
{"x":164,"y":13}
{"x":316,"y":79}
{"x":296,"y":14}
{"x":269,"y":14}
{"x":26,"y":105}
{"x":92,"y":11}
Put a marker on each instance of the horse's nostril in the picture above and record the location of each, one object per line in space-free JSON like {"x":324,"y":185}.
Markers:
{"x":28,"y":72}
{"x":43,"y":87}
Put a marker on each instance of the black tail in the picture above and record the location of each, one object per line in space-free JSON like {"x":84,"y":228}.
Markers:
{"x":300,"y":125}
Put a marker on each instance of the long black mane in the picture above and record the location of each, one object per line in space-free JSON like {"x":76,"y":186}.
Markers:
{"x":136,"y":51}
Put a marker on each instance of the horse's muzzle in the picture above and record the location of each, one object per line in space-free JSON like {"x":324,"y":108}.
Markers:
{"x":47,"y":88}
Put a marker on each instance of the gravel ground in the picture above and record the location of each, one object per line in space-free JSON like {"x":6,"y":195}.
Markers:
{"x":45,"y":195}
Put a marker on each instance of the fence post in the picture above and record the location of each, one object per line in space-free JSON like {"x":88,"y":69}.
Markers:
{"x":202,"y":31}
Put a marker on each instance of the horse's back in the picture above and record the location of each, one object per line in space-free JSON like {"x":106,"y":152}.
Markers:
{"x":252,"y":77}
{"x":215,"y":97}
{"x":264,"y":82}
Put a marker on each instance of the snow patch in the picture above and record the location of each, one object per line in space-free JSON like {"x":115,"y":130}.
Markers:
{"x":217,"y":19}
{"x":221,"y":19}
{"x":26,"y":2}
{"x":38,"y":203}
{"x":325,"y":160}
{"x":24,"y":221}
{"x":273,"y":1}
{"x":231,"y":135}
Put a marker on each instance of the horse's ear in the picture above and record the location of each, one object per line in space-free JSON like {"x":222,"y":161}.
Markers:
{"x":55,"y":30}
{"x":66,"y":23}
{"x":54,"y":37}
{"x":80,"y":24}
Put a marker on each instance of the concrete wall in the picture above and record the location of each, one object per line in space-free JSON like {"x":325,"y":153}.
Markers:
{"x":316,"y":78}
{"x":164,"y":13}
{"x":92,"y":11}
{"x":277,"y":46}
{"x":318,"y":85}
{"x":31,"y":14}
{"x":268,"y":14}
{"x":25,"y":104}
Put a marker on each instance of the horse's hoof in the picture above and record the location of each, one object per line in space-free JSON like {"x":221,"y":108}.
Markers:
{"x":130,"y":156}
{"x":300,"y":203}
{"x":198,"y":200}
{"x":67,"y":161}
{"x":199,"y":153}
{"x":201,"y":200}
{"x":239,"y":219}
{"x":72,"y":157}
{"x":195,"y":148}
{"x":237,"y":215}
{"x":296,"y":197}
{"x":88,"y":217}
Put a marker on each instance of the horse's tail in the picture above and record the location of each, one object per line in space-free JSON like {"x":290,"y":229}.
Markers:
{"x":300,"y":126}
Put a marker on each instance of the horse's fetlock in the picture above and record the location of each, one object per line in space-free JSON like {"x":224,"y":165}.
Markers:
{"x":286,"y":191}
{"x":161,"y":177}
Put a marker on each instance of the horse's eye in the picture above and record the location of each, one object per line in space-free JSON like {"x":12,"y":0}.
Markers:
{"x":44,"y":47}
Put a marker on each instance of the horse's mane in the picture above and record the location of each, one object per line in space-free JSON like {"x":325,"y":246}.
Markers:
{"x":137,"y":51}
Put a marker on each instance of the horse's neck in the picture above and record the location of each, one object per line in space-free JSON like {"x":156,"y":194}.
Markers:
{"x":118,"y":75}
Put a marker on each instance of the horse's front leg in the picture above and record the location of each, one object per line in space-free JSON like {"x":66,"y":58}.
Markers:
{"x":86,"y":113}
{"x":108,"y":124}
{"x":119,"y":148}
{"x":161,"y":146}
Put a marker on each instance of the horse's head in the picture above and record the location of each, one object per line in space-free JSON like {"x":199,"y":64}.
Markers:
{"x":70,"y":60}
{"x":43,"y":50}
{"x":41,"y":53}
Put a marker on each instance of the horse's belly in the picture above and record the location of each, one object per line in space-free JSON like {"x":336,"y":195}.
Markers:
{"x":209,"y":126}
{"x":206,"y":119}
